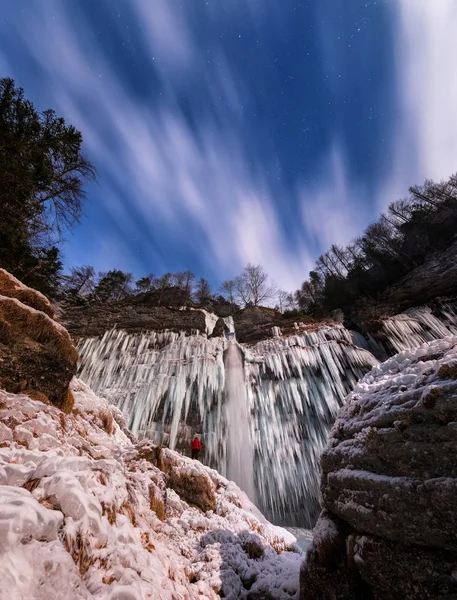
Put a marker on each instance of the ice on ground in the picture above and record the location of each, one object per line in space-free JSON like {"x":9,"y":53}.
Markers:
{"x":85,"y":512}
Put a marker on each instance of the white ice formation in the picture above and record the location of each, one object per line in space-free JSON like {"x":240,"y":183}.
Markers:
{"x":240,"y":448}
{"x":293,"y":388}
{"x":410,"y":329}
{"x":170,"y":386}
{"x":85,"y":514}
{"x":414,"y":327}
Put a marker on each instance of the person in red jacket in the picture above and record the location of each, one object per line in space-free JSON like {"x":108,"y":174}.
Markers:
{"x":195,"y":447}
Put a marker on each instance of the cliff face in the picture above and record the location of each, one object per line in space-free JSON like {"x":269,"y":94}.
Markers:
{"x":134,"y":316}
{"x":434,"y":279}
{"x":95,"y":319}
{"x":37,"y":355}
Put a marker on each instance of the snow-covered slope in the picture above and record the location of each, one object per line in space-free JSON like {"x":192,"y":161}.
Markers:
{"x":87,"y":512}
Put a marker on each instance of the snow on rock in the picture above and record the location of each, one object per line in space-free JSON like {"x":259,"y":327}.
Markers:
{"x":389,"y":484}
{"x":87,"y":512}
{"x":37,"y":355}
{"x":22,"y":518}
{"x":13,"y":288}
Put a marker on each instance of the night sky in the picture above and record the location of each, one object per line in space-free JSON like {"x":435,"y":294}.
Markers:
{"x":235,"y":131}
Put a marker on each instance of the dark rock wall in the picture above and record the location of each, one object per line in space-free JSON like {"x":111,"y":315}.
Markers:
{"x":389,"y":485}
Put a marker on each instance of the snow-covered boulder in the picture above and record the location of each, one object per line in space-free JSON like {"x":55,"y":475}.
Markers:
{"x":88,"y":512}
{"x":37,"y":355}
{"x":389,"y":485}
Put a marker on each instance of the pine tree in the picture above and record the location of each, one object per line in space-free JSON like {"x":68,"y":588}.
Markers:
{"x":42,"y":172}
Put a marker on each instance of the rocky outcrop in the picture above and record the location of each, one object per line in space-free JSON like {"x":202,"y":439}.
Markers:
{"x":37,"y":355}
{"x":13,"y":288}
{"x":257,"y":323}
{"x":389,"y":484}
{"x":96,"y":318}
{"x":436,"y":277}
{"x":137,"y":315}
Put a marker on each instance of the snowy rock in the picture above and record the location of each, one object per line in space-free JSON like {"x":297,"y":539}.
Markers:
{"x":389,"y":484}
{"x":37,"y":355}
{"x":13,"y":288}
{"x":132,"y":522}
{"x":22,"y":518}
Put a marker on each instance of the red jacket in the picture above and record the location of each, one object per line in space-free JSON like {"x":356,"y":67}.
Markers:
{"x":196,"y":445}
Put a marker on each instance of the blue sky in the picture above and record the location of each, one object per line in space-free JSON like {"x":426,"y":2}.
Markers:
{"x":235,"y":131}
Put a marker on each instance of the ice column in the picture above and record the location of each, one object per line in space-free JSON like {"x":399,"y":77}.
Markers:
{"x":239,"y":447}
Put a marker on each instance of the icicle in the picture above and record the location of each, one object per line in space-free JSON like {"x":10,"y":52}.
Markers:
{"x":416,"y":326}
{"x":293,"y":389}
{"x":240,"y":452}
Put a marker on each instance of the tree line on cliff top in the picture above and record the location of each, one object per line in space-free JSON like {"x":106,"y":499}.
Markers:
{"x":43,"y":171}
{"x":402,"y":238}
{"x":250,"y":288}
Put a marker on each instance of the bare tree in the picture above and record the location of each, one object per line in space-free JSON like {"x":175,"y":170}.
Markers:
{"x":228,"y":290}
{"x":178,"y":279}
{"x":343,"y":257}
{"x":285,"y":300}
{"x":253,"y":287}
{"x":80,"y":281}
{"x":188,"y":282}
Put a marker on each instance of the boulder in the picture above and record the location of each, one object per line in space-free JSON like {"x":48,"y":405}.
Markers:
{"x":37,"y":356}
{"x":389,"y":485}
{"x":193,"y":485}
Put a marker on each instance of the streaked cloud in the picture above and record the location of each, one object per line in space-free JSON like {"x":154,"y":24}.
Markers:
{"x":426,"y":72}
{"x":193,"y":181}
{"x":172,"y":169}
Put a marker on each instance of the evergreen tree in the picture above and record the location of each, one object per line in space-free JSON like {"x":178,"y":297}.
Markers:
{"x":113,"y":285}
{"x":203,"y":291}
{"x":42,"y":171}
{"x":145,"y":284}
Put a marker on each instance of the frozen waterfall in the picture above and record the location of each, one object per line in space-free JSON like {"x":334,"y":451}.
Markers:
{"x":171,"y":386}
{"x":240,"y":452}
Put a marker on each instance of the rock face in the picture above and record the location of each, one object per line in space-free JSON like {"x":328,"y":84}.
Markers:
{"x":36,"y":352}
{"x":95,"y":319}
{"x":389,"y":485}
{"x":136,"y":315}
{"x":436,"y":277}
